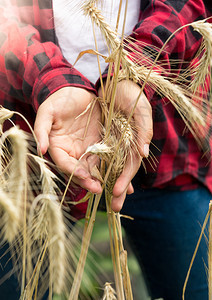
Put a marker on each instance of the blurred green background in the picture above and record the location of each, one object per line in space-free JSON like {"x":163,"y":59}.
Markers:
{"x":102,"y":263}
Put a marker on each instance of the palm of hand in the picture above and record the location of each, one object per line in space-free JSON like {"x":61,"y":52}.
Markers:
{"x":66,"y":124}
{"x":73,"y":130}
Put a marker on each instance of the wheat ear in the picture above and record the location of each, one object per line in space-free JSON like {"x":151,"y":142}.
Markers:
{"x":117,"y":143}
{"x":56,"y":245}
{"x":48,"y":223}
{"x":16,"y":174}
{"x":10,"y":221}
{"x":120,"y":130}
{"x":109,"y":292}
{"x":205,"y":29}
{"x":4,"y":115}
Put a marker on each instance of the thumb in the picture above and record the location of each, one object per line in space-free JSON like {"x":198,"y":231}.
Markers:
{"x":42,"y":128}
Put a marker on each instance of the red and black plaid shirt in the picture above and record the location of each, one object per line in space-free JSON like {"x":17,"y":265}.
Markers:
{"x":32,"y":67}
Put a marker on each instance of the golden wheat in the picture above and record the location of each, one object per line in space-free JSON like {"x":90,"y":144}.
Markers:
{"x":109,"y":292}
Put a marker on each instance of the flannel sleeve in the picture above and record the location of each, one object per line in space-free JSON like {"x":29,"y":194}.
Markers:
{"x":159,"y":21}
{"x":30,"y":69}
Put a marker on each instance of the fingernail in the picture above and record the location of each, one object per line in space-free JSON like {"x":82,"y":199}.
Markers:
{"x":146,"y":150}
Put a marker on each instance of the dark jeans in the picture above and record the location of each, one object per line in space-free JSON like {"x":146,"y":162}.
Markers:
{"x":164,"y":234}
{"x":9,"y":286}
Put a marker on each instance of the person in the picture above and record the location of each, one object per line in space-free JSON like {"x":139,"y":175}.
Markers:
{"x":38,"y":79}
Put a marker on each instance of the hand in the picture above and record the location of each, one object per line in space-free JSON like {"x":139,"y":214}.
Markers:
{"x":67,"y":137}
{"x":127,"y":94}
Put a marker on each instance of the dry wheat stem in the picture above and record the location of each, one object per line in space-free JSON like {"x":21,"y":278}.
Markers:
{"x":118,"y":16}
{"x":123,"y":261}
{"x":126,"y":276}
{"x":83,"y":254}
{"x":120,"y":287}
{"x":114,"y":248}
{"x":88,"y":214}
{"x":98,"y":61}
{"x":112,"y":143}
{"x":24,"y":236}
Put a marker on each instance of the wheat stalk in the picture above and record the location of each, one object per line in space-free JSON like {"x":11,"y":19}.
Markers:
{"x":110,"y":145}
{"x":123,"y":261}
{"x":83,"y":254}
{"x":117,"y":143}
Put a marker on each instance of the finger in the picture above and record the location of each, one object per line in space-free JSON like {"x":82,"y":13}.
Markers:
{"x":144,"y":125}
{"x":72,"y":166}
{"x":42,"y":128}
{"x":123,"y":183}
{"x":117,"y":202}
{"x":92,"y":161}
{"x":68,"y":164}
{"x":90,"y":184}
{"x":130,"y":189}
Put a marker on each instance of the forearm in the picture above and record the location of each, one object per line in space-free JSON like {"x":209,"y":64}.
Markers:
{"x":30,"y":68}
{"x":160,"y":21}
